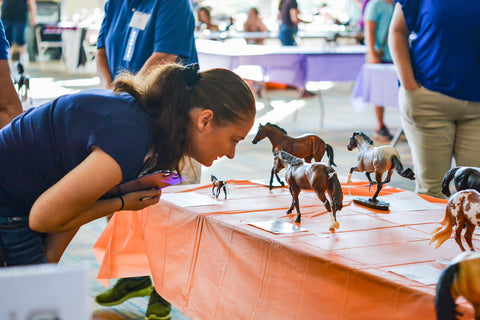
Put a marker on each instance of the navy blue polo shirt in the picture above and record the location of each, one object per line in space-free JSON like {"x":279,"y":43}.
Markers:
{"x":445,"y":51}
{"x":42,"y":145}
{"x":3,"y":43}
{"x":170,"y":29}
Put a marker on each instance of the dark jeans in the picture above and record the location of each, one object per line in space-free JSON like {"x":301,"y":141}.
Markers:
{"x":286,"y":34}
{"x":19,"y":245}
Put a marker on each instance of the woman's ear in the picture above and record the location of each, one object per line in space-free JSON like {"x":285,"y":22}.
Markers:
{"x":204,"y":119}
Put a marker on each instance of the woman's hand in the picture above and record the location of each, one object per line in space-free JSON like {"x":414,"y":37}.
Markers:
{"x":140,"y":199}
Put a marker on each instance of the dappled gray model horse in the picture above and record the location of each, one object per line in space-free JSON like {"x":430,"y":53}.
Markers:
{"x":376,"y":160}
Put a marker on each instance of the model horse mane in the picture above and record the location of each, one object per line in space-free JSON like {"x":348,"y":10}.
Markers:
{"x":291,"y":160}
{"x":273,"y":125}
{"x":364,"y":137}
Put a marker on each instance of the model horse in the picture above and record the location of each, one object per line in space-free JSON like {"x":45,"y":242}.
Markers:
{"x":218,"y":186}
{"x":315,"y":176}
{"x":308,"y":146}
{"x":463,"y":209}
{"x":463,"y":178}
{"x":458,"y":279}
{"x":22,"y":81}
{"x":376,"y":160}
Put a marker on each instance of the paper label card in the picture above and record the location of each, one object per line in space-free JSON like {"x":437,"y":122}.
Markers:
{"x":277,"y":226}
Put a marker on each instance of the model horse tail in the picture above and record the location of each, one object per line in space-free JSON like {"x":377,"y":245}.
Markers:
{"x":443,"y":232}
{"x":329,"y":150}
{"x":337,"y":188}
{"x":444,"y":302}
{"x":407,"y":173}
{"x":446,"y":181}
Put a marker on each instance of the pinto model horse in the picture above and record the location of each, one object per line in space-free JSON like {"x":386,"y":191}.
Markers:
{"x":463,"y":209}
{"x":376,"y":160}
{"x":463,"y":178}
{"x":308,"y":146}
{"x":315,"y":176}
{"x":218,"y":186}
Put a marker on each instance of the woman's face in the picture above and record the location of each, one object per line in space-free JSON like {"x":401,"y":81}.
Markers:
{"x":208,"y":142}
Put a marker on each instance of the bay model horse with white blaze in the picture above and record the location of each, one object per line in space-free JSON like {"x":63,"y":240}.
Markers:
{"x":463,"y":178}
{"x":307,"y":146}
{"x":315,"y":176}
{"x":376,"y":159}
{"x":218,"y":186}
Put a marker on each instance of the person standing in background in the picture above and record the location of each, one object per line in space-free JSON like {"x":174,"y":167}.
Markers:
{"x":135,"y":36}
{"x":436,"y":50}
{"x":289,"y":16}
{"x":378,"y":14}
{"x":254,"y":24}
{"x":14,"y":17}
{"x":10,"y":105}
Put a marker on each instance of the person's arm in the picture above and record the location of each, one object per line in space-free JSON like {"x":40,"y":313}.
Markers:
{"x":370,"y":39}
{"x":75,"y":199}
{"x":10,"y":105}
{"x":32,"y":6}
{"x":103,"y":70}
{"x":157,"y":58}
{"x":295,"y":16}
{"x":400,"y":50}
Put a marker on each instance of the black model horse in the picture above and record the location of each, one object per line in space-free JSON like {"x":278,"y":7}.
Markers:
{"x":463,"y":178}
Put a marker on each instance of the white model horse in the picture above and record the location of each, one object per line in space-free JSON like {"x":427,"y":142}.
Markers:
{"x":463,"y":209}
{"x":377,"y":160}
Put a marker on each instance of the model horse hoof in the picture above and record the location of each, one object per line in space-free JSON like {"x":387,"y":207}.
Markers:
{"x":282,"y":183}
{"x":297,"y":220}
{"x":372,"y":199}
{"x":334,"y":225}
{"x":289,"y":211}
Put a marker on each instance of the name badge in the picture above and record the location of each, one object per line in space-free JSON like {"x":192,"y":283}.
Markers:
{"x":139,"y":20}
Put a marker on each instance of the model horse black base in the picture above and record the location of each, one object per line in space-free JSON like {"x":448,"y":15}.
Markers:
{"x":376,"y":160}
{"x":463,"y":178}
{"x":307,"y":147}
{"x":218,"y":186}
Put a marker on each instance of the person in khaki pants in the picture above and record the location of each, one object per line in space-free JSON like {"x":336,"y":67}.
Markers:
{"x":439,"y":69}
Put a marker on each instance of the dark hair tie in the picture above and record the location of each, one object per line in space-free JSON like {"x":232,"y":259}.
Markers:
{"x":191,"y":75}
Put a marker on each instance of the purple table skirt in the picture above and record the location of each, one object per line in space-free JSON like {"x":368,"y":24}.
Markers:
{"x":376,"y":84}
{"x":291,"y":65}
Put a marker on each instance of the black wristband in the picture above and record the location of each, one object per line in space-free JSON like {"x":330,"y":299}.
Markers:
{"x":123,"y":203}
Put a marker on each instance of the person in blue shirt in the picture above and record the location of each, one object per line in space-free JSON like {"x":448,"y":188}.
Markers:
{"x":59,"y":159}
{"x":378,"y":14}
{"x":10,"y":105}
{"x":137,"y":34}
{"x":436,"y":49}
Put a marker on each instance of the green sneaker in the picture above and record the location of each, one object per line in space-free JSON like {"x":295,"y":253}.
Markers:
{"x":125,"y":289}
{"x":158,"y":308}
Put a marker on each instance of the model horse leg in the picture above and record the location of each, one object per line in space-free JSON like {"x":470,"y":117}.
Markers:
{"x":468,"y":235}
{"x":349,"y":180}
{"x":378,"y":177}
{"x":293,"y":201}
{"x":389,"y":175}
{"x":279,"y":180}
{"x":225,"y":190}
{"x":295,"y":196}
{"x":213,"y":190}
{"x":457,"y":229}
{"x":271,"y":178}
{"x":370,"y":179}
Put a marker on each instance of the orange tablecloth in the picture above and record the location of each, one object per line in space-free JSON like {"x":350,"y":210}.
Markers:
{"x":211,"y":264}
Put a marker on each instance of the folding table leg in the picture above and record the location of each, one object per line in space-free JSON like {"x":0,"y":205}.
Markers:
{"x":396,"y":136}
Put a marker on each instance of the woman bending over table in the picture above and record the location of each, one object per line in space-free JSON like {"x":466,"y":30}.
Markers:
{"x":59,"y":159}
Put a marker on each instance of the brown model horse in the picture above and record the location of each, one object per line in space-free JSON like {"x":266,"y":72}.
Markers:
{"x":315,"y":176}
{"x":308,"y":146}
{"x":458,"y":279}
{"x":376,"y":160}
{"x":463,"y":209}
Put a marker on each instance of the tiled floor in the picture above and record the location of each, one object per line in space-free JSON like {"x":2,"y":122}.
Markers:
{"x":297,"y":116}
